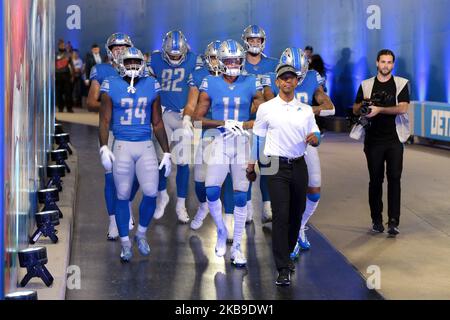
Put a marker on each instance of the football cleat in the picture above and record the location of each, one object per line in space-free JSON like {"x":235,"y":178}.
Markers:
{"x":296,"y":253}
{"x":201,"y":214}
{"x":221,"y":245}
{"x":182,"y":215}
{"x":303,"y":240}
{"x":113,"y":233}
{"x":126,"y":254}
{"x":143,"y":247}
{"x":161,"y":203}
{"x":237,"y":257}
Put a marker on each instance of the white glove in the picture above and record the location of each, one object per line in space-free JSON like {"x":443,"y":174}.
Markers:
{"x":187,"y":126}
{"x":166,"y":162}
{"x":107,"y":158}
{"x":234,"y":128}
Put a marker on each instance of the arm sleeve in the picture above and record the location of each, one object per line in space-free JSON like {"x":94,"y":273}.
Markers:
{"x":190,"y":80}
{"x":258,"y":86}
{"x":312,"y":125}
{"x":198,"y":62}
{"x":257,"y":147}
{"x":320,"y":79}
{"x":204,"y":85}
{"x":359,"y":95}
{"x":404,"y":94}
{"x":265,"y":81}
{"x":261,"y":124}
{"x":93,"y":75}
{"x":157,"y":86}
{"x":105,"y":86}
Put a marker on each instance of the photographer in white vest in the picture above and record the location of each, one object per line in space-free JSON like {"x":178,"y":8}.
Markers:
{"x":383,"y":102}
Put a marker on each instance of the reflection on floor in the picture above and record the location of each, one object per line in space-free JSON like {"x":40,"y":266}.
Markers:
{"x":182,"y":263}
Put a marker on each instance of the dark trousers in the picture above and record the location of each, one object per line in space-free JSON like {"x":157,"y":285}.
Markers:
{"x":76,"y":92}
{"x":63,"y":91}
{"x":377,"y":156}
{"x":287,"y":189}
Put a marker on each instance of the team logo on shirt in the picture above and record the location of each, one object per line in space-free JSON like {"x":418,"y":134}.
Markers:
{"x":232,"y":87}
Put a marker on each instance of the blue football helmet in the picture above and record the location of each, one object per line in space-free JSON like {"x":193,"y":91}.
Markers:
{"x":132,"y":65}
{"x":231,"y":51}
{"x":175,"y":48}
{"x":295,"y":57}
{"x":254,"y":31}
{"x":117,"y":39}
{"x":212,"y":51}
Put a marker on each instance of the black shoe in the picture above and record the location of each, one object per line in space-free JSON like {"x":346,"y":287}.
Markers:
{"x":291,"y":266}
{"x":393,"y":231}
{"x":284,"y":277}
{"x":377,"y":228}
{"x":393,"y":227}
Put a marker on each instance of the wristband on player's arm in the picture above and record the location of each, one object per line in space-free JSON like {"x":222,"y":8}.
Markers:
{"x":257,"y":147}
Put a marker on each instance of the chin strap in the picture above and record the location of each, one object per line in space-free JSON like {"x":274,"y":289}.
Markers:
{"x":131,"y":88}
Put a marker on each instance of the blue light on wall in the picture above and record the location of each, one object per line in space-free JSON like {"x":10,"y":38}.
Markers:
{"x":422,"y":58}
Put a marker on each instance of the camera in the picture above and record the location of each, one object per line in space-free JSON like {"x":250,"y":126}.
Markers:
{"x":378,"y":99}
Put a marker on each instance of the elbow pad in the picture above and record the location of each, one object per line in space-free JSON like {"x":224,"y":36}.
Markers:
{"x":327,"y":113}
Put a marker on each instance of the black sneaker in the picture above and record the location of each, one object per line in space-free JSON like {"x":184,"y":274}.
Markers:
{"x":377,"y":228}
{"x":284,"y":277}
{"x":393,"y":229}
{"x":291,"y":266}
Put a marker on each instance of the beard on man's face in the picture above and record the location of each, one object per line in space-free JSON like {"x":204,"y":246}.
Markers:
{"x":384,"y":71}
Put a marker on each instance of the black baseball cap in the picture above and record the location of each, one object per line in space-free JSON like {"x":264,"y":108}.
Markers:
{"x":285,"y":69}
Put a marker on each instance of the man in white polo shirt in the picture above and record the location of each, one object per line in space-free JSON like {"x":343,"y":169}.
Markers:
{"x":286,"y":126}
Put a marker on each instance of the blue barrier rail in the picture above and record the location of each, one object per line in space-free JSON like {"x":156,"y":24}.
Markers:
{"x":430,"y":120}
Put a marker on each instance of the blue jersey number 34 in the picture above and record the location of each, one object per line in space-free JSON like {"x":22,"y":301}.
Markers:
{"x":131,"y":113}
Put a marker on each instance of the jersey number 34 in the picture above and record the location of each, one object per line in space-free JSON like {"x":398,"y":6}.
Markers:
{"x":130,"y":112}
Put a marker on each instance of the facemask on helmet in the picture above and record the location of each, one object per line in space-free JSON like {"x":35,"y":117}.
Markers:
{"x":211,"y":53}
{"x":253,"y":31}
{"x":117,"y":39}
{"x":295,"y":57}
{"x":231,"y":57}
{"x":175,"y":48}
{"x":132,"y":65}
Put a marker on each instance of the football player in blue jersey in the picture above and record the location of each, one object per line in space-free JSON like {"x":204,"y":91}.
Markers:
{"x":131,"y":103}
{"x":173,"y":68}
{"x":211,"y":68}
{"x":229,"y":97}
{"x":310,"y":86}
{"x":257,"y":63}
{"x":115,"y":45}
